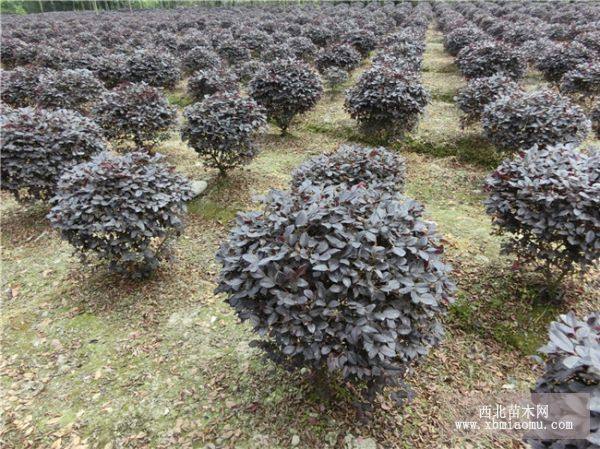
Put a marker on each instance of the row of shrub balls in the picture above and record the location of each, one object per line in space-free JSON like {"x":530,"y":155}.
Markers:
{"x":124,"y":209}
{"x":546,"y":199}
{"x":189,"y":39}
{"x":546,"y":129}
{"x":144,"y":209}
{"x":341,"y":271}
{"x":220,"y":125}
{"x":217,"y":47}
{"x":493,"y":61}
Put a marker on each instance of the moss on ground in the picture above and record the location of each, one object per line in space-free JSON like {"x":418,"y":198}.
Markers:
{"x":91,"y":359}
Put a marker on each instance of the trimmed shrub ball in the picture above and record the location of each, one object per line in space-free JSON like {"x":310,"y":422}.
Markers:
{"x":233,"y":51}
{"x":521,"y":32}
{"x":590,"y":39}
{"x":285,"y":88}
{"x":155,"y":68}
{"x":595,"y":118}
{"x":488,"y":58}
{"x":400,"y":55}
{"x":68,"y":89}
{"x":220,"y":129}
{"x":364,"y":41}
{"x":584,"y":79}
{"x":210,"y":81}
{"x":200,"y":58}
{"x":122,"y":209}
{"x":83,"y":59}
{"x":165,"y":39}
{"x":280,"y":36}
{"x":479,"y":92}
{"x":38,"y":145}
{"x":135,"y":111}
{"x":19,"y":85}
{"x":387,"y":100}
{"x":457,"y":39}
{"x":302,"y":47}
{"x":320,"y":35}
{"x":562,"y":58}
{"x":343,"y":56}
{"x":547,"y":203}
{"x":277,"y":51}
{"x":533,"y":50}
{"x":192,"y":38}
{"x":111,"y":69}
{"x":334,"y":77}
{"x":349,"y":281}
{"x":51,"y":57}
{"x":560,"y":31}
{"x":353,"y":165}
{"x":4,"y":108}
{"x":248,"y":70}
{"x":256,"y":40}
{"x":17,"y":52}
{"x":541,"y":118}
{"x":406,"y":43}
{"x":573,"y":366}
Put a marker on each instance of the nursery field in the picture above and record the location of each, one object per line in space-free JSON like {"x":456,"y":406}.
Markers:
{"x":91,"y":359}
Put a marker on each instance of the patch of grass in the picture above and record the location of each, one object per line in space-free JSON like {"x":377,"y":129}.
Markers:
{"x":440,"y":133}
{"x":442,"y":182}
{"x":466,"y":230}
{"x":524,"y":341}
{"x":448,"y":68}
{"x":349,"y":133}
{"x":475,"y":149}
{"x":447,"y":96}
{"x":277,"y":163}
{"x":506,"y":308}
{"x":534,"y":80}
{"x":467,"y":148}
{"x":213,"y":211}
{"x":323,"y":127}
{"x":425,"y":147}
{"x":179,"y":99}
